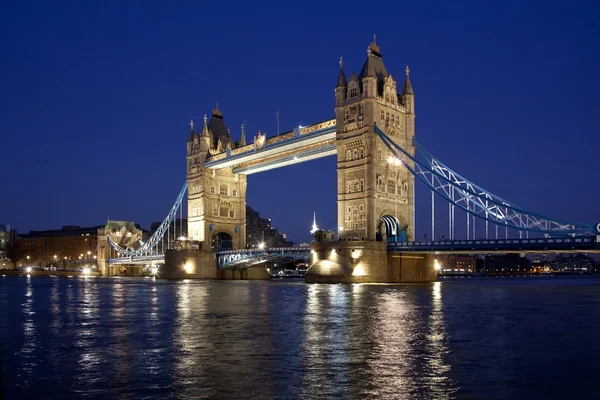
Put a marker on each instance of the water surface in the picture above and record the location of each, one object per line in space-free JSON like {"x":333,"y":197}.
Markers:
{"x":117,"y":338}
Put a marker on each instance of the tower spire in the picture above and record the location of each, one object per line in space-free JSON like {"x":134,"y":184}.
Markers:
{"x":191,"y":136}
{"x":242,"y":137}
{"x":407,"y":86}
{"x":341,"y":82}
{"x":205,"y":128}
{"x":314,"y":225}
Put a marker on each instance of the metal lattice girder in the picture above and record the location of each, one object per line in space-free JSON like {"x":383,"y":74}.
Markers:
{"x":474,"y":199}
{"x":158,"y":234}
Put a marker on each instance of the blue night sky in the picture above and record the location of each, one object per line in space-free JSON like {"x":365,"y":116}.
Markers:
{"x":97,"y":98}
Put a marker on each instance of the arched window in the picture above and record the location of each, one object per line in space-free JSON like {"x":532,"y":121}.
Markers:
{"x":223,"y":190}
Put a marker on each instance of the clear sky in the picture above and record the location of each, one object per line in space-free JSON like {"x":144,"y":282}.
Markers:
{"x":96,"y":99}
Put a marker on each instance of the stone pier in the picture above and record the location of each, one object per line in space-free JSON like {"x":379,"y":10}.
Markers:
{"x":189,"y":264}
{"x":366,"y":262}
{"x":202,"y":264}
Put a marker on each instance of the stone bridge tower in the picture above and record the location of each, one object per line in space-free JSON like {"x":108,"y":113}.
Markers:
{"x":216,"y":198}
{"x":375,"y":192}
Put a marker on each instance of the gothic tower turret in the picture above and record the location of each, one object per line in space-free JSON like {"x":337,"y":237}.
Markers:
{"x":216,"y":198}
{"x":373,"y":188}
{"x":340,"y":88}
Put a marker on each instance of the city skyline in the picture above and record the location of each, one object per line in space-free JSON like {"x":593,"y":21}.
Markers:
{"x":114,"y":106}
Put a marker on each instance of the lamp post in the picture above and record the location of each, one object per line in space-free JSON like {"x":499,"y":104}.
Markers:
{"x":340,"y":232}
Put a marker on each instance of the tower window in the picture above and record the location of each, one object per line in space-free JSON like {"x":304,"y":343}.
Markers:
{"x":232,"y":214}
{"x":223,"y":190}
{"x":212,"y":190}
{"x":382,"y":115}
{"x":234,"y":193}
{"x":223,"y":212}
{"x":353,"y":92}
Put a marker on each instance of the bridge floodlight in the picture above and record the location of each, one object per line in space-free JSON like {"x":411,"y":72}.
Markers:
{"x":261,"y":245}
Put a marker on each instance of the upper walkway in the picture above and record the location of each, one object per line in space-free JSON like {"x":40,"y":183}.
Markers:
{"x":301,"y":144}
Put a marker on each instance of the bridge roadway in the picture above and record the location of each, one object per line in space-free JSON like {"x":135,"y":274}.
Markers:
{"x":233,"y":259}
{"x":541,"y":245}
{"x":137,"y":260}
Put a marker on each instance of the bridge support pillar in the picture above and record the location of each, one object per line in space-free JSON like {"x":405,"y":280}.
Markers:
{"x":257,"y":272}
{"x":366,"y":262}
{"x":187,"y":264}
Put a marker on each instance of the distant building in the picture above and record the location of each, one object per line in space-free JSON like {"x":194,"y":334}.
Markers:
{"x":7,"y":241}
{"x":259,"y":229}
{"x":63,"y":247}
{"x":572,"y":263}
{"x":58,"y":247}
{"x":456,"y":263}
{"x":507,"y":264}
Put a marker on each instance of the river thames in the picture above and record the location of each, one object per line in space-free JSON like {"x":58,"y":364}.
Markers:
{"x":120,"y":338}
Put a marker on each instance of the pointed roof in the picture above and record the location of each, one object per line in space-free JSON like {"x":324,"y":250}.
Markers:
{"x":218,"y":128}
{"x":374,"y":63}
{"x":407,"y":86}
{"x":192,"y":133}
{"x":205,"y":128}
{"x":341,"y":82}
{"x":374,"y":67}
{"x":242,"y":141}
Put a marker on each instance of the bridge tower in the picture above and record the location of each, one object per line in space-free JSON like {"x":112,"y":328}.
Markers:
{"x":216,"y":198}
{"x":375,"y":192}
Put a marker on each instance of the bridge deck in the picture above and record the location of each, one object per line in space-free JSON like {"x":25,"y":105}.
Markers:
{"x":549,"y":245}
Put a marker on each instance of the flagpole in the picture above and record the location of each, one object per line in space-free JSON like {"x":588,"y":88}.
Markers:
{"x":278,"y":122}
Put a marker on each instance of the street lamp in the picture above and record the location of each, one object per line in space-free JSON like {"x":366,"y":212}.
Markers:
{"x":261,"y":246}
{"x":340,"y":232}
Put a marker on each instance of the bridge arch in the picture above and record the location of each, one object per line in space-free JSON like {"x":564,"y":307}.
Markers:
{"x":222,"y":241}
{"x":395,"y":229}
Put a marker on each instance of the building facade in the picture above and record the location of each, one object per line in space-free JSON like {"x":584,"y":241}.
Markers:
{"x":60,"y":247}
{"x":373,"y":187}
{"x":7,"y":246}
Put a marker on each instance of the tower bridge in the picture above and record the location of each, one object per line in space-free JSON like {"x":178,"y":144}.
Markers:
{"x":378,"y":159}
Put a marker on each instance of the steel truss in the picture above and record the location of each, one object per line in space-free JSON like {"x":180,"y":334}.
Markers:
{"x":146,"y":247}
{"x":477,"y":201}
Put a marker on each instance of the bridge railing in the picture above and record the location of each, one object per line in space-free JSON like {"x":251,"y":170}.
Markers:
{"x":577,"y":243}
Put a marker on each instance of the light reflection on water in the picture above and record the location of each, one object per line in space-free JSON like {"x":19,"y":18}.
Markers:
{"x":126,"y":338}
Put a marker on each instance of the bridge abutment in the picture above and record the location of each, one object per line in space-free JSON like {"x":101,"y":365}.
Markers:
{"x":367,"y":262}
{"x":189,"y":264}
